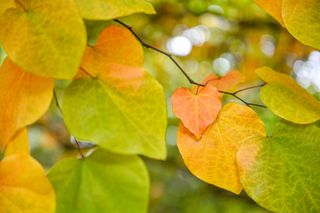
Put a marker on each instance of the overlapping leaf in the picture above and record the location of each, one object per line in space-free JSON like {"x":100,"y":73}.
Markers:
{"x":44,"y":37}
{"x":273,"y":7}
{"x":5,"y":4}
{"x":213,"y":157}
{"x":196,"y":111}
{"x":110,"y":9}
{"x":283,"y":96}
{"x":24,"y":98}
{"x":24,"y":188}
{"x":123,"y":108}
{"x":301,"y":18}
{"x":102,"y":182}
{"x":282,"y":172}
{"x":225,"y":83}
{"x":19,"y":144}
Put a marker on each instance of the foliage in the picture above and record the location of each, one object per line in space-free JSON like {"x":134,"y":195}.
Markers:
{"x":115,"y":110}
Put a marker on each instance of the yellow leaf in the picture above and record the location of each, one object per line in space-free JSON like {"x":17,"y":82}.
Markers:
{"x":284,"y":97}
{"x":213,"y":157}
{"x":273,"y":7}
{"x":24,"y":99}
{"x":110,"y":9}
{"x":44,"y":37}
{"x":24,"y":188}
{"x":5,"y":4}
{"x":19,"y":144}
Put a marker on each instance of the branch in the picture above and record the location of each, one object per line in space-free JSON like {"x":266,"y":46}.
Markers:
{"x":59,"y":108}
{"x":143,"y":43}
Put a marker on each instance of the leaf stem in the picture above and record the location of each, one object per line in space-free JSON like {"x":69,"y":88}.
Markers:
{"x":59,"y":108}
{"x":21,"y":5}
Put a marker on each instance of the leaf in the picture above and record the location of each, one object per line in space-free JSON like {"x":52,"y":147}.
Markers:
{"x":282,"y":172}
{"x":19,"y":144}
{"x":24,"y":186}
{"x":46,"y":38}
{"x":213,"y":157}
{"x":225,"y":83}
{"x":127,"y":112}
{"x":102,"y":182}
{"x":273,"y":7}
{"x":196,"y":110}
{"x":283,"y":96}
{"x":24,"y":99}
{"x":110,"y":9}
{"x":5,"y":4}
{"x":301,"y":18}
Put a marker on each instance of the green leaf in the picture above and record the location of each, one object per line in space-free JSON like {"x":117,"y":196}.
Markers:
{"x":110,"y":9}
{"x":284,"y":97}
{"x":126,"y":116}
{"x":282,"y":173}
{"x":44,"y":37}
{"x":102,"y":182}
{"x":301,"y":18}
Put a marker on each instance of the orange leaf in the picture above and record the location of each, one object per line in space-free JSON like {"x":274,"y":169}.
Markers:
{"x":115,"y":45}
{"x":273,"y":7}
{"x":225,"y":83}
{"x":213,"y":157}
{"x":24,"y":186}
{"x":24,"y":99}
{"x":196,"y":111}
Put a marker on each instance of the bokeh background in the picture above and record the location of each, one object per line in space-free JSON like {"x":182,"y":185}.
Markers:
{"x":207,"y":36}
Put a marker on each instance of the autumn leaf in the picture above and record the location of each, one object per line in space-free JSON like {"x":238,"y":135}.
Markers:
{"x":110,"y":9}
{"x":44,"y":37}
{"x":281,"y":173}
{"x":273,"y":7}
{"x":19,"y":144}
{"x":301,"y":18}
{"x":225,"y":83}
{"x":24,"y":186}
{"x":283,"y":96}
{"x":213,"y":157}
{"x":196,"y":110}
{"x":121,"y":88}
{"x":24,"y":99}
{"x":5,"y":4}
{"x":102,"y":182}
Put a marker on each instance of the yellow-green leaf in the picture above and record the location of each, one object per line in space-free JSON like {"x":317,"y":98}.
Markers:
{"x":102,"y":182}
{"x":213,"y":157}
{"x":302,"y":19}
{"x":24,"y":187}
{"x":24,"y":99}
{"x":283,"y":96}
{"x":281,"y":173}
{"x":122,"y":109}
{"x":110,"y":9}
{"x":44,"y":37}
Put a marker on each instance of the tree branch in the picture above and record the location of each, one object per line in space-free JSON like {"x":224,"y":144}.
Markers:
{"x":191,"y":81}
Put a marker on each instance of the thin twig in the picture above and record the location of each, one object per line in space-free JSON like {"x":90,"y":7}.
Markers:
{"x":247,"y":88}
{"x":87,"y":73}
{"x":59,"y":108}
{"x":143,"y":43}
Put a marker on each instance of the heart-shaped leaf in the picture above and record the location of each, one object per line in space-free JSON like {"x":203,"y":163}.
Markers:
{"x":213,"y":157}
{"x":196,"y":111}
{"x":281,"y":173}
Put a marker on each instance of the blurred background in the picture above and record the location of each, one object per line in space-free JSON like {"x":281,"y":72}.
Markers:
{"x":207,"y":36}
